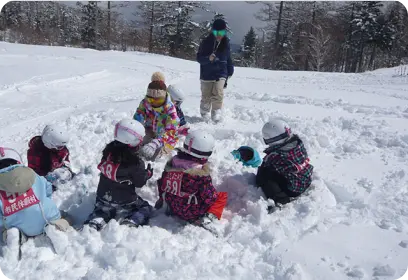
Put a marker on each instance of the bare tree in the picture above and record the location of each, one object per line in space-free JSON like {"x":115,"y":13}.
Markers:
{"x":319,"y":47}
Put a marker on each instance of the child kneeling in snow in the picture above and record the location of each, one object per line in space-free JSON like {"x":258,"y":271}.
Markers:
{"x":25,"y":198}
{"x":48,"y":155}
{"x":158,"y":115}
{"x":186,"y":185}
{"x":285,"y":171}
{"x":121,"y":172}
{"x":177,"y":97}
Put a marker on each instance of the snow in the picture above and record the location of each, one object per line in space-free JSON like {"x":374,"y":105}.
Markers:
{"x":352,"y":224}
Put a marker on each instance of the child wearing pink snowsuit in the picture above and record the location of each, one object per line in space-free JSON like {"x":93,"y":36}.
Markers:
{"x":186,"y":185}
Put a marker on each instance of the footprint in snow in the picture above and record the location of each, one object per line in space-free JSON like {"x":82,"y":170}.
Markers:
{"x":383,"y":270}
{"x":404,"y":244}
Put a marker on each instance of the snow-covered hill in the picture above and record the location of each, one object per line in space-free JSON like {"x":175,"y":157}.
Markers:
{"x":353,"y":224}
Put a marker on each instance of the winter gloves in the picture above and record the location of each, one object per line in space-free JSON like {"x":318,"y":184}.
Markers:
{"x":248,"y":156}
{"x":61,"y":224}
{"x":149,"y":150}
{"x":60,"y":175}
{"x":183,"y":130}
{"x":149,"y":170}
{"x":226,"y":82}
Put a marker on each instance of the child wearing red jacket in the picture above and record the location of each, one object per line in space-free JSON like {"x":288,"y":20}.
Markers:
{"x":48,"y":155}
{"x":186,"y":185}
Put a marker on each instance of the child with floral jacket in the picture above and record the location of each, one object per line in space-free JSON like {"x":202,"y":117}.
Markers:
{"x":158,"y":115}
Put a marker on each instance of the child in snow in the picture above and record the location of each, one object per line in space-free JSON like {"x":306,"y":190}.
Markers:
{"x":285,"y":171}
{"x":186,"y":185}
{"x":25,"y":198}
{"x":177,"y":97}
{"x":159,"y":116}
{"x":48,"y":155}
{"x":121,"y":172}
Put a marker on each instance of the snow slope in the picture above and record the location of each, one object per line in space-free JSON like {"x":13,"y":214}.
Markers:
{"x":353,"y":224}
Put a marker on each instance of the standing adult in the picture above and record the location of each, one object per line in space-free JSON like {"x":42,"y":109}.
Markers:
{"x":214,"y":56}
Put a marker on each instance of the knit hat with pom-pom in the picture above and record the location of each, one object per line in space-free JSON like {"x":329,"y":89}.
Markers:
{"x":157,"y":88}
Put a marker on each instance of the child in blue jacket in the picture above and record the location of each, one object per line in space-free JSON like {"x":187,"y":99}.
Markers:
{"x":25,"y":198}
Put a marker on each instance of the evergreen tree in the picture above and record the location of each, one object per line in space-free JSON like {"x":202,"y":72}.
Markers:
{"x":367,"y":27}
{"x":249,"y":48}
{"x":153,"y":15}
{"x":180,"y":28}
{"x":89,"y":20}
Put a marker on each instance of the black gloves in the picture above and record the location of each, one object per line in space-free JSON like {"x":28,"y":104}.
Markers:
{"x":149,"y":170}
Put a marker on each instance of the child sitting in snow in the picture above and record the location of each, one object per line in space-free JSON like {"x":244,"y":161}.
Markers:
{"x":186,"y":185}
{"x":48,"y":155}
{"x":25,"y":198}
{"x":177,"y":97}
{"x":121,"y":172}
{"x":159,"y":116}
{"x":285,"y":171}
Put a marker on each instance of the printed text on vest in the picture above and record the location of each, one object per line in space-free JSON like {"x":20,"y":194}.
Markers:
{"x":15,"y":202}
{"x":109,"y":169}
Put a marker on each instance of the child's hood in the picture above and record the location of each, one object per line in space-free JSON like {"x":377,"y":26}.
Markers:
{"x":16,"y":178}
{"x":35,"y":141}
{"x":286,"y":147}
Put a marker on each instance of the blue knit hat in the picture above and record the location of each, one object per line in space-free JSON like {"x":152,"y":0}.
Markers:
{"x":219,"y":24}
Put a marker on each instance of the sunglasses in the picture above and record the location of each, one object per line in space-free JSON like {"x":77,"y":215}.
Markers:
{"x":156,"y":101}
{"x":221,"y":33}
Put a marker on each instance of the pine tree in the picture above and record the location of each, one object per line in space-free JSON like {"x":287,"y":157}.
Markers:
{"x":249,"y":48}
{"x":180,"y":30}
{"x":153,"y":15}
{"x":366,"y":26}
{"x":89,"y":29}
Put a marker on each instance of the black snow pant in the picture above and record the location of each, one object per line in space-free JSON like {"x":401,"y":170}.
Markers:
{"x":274,"y":186}
{"x":135,"y":214}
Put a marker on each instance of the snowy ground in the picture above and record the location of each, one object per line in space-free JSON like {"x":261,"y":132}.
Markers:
{"x":353,"y":224}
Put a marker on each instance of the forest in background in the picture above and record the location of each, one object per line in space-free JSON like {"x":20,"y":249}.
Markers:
{"x":312,"y":36}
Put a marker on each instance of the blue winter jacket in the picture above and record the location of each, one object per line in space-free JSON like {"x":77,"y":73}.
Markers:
{"x":222,"y":66}
{"x":32,"y":220}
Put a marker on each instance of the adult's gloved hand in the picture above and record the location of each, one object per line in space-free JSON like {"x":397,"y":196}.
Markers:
{"x":212,"y":57}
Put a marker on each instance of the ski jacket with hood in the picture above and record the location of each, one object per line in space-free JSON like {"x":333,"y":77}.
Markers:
{"x":162,"y":120}
{"x":290,"y":160}
{"x":222,"y":66}
{"x":25,"y":200}
{"x":186,"y":186}
{"x":43,"y":160}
